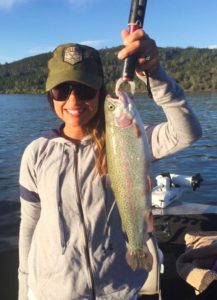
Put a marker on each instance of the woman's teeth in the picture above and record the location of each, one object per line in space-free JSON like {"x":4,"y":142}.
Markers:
{"x":74,"y":111}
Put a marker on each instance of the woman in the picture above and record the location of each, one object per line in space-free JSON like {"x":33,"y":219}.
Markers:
{"x":71,"y":243}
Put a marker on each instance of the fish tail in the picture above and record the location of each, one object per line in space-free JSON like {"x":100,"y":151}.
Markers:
{"x":140,"y":260}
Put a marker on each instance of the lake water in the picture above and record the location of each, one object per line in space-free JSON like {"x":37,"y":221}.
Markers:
{"x":25,"y":117}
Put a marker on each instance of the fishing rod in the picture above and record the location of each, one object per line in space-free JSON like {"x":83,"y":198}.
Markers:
{"x":136,"y":20}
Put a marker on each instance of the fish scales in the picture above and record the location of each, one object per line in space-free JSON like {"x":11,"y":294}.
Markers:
{"x":128,"y":156}
{"x":128,"y":160}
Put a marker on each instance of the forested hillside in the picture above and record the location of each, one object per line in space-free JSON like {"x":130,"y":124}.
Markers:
{"x":195,"y":69}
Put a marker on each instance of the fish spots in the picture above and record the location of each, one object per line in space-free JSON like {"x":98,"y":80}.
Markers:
{"x":128,"y":160}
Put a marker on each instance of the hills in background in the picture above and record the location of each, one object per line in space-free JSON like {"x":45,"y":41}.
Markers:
{"x":195,"y":69}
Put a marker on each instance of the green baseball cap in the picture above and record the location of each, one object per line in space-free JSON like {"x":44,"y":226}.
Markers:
{"x":75,"y":62}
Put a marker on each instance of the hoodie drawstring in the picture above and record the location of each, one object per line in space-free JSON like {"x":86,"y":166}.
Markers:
{"x":59,"y":204}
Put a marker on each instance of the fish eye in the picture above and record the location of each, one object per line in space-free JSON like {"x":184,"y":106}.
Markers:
{"x":111,"y":106}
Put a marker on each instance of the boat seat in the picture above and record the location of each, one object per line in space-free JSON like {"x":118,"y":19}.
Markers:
{"x":197,"y":264}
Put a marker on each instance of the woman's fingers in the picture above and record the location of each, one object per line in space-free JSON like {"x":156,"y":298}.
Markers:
{"x":140,"y":43}
{"x":132,"y":42}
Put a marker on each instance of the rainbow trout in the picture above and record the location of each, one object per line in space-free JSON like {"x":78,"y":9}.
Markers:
{"x":129,"y":161}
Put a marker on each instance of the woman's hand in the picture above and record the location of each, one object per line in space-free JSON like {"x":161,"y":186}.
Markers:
{"x":140,"y":43}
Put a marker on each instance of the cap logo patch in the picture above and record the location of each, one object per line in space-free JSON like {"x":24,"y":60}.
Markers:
{"x":73,"y":55}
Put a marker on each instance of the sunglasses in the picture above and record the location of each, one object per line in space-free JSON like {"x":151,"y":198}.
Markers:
{"x":62,"y":91}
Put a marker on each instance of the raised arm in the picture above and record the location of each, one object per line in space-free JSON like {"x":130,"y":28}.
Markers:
{"x":182,"y":127}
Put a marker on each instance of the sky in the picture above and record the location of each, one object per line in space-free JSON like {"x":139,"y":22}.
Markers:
{"x":31,"y":27}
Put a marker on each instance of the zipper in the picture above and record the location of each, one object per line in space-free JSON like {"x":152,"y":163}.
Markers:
{"x":62,"y":231}
{"x":60,"y":211}
{"x":80,"y":208}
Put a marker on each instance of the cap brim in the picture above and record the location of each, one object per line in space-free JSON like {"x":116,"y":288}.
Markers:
{"x":90,"y":80}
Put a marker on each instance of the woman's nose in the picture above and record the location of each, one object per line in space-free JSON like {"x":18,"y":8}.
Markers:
{"x":73,"y":97}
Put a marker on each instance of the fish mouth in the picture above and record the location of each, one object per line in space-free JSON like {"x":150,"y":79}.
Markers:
{"x":125,"y":97}
{"x":125,"y":118}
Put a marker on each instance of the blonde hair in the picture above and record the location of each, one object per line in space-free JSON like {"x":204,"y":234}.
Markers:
{"x":97,"y":131}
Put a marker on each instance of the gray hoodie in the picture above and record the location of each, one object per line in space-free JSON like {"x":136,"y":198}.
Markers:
{"x":71,"y":245}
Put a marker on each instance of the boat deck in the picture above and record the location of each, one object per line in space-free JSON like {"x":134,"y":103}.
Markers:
{"x":186,"y":208}
{"x":171,"y":225}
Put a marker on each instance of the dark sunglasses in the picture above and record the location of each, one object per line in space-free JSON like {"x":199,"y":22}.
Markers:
{"x":62,"y":91}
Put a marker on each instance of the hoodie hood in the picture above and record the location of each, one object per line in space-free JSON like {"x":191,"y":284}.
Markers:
{"x":56,"y":137}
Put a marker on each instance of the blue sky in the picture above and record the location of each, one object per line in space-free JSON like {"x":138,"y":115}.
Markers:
{"x":30,"y":27}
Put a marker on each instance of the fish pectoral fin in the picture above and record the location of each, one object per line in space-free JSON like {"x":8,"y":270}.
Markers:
{"x":149,"y":184}
{"x":137,"y":130}
{"x":140,"y":259}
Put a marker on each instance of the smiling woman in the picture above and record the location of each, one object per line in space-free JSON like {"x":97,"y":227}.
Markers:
{"x":77,"y":94}
{"x":75,"y":109}
{"x":71,"y":243}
